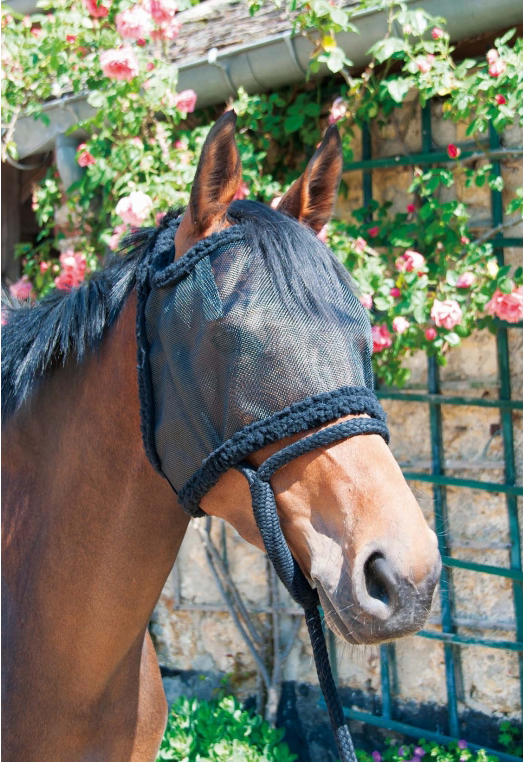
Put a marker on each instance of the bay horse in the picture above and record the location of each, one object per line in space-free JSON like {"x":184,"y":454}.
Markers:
{"x":91,"y":530}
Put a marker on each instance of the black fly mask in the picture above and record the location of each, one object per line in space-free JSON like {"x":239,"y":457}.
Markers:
{"x":253,"y":335}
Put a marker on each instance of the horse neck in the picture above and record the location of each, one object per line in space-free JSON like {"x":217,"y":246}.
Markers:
{"x":91,"y":531}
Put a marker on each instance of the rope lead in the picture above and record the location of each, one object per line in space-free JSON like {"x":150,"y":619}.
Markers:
{"x":286,"y":567}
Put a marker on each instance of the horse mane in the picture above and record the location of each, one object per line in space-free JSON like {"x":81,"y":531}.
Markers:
{"x":66,"y":324}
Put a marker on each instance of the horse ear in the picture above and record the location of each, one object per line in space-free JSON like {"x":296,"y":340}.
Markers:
{"x":218,"y":176}
{"x":311,"y":198}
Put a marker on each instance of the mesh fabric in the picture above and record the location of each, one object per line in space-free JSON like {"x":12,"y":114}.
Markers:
{"x":228,"y":346}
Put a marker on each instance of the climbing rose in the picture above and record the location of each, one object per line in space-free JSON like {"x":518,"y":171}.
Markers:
{"x":410,"y":261}
{"x":338,"y":110}
{"x":430,"y":334}
{"x":366,"y":300}
{"x":465,"y":280}
{"x":453,"y":151}
{"x":497,"y":68}
{"x":133,"y":23}
{"x":22,"y":289}
{"x":166,"y":31}
{"x":400,"y":324}
{"x":359,"y":245}
{"x":322,"y":235}
{"x":70,"y":38}
{"x":150,"y":66}
{"x":437,"y":33}
{"x":425,"y":64}
{"x":395,"y":292}
{"x":374,"y":232}
{"x":44,"y":266}
{"x":162,"y":11}
{"x":186,"y":101}
{"x":242,"y":192}
{"x":492,"y":56}
{"x":84,"y":157}
{"x":381,"y":338}
{"x":72,"y":273}
{"x":96,"y":10}
{"x":446,"y":314}
{"x":119,"y":63}
{"x":500,"y":100}
{"x":114,"y":240}
{"x":507,"y":307}
{"x":411,"y":208}
{"x":134,"y":208}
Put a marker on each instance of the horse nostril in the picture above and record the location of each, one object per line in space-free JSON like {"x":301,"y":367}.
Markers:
{"x":377,"y":578}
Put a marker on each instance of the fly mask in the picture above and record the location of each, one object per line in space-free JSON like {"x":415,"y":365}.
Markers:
{"x":233,"y":355}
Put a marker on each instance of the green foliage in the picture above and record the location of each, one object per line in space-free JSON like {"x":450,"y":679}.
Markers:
{"x":201,"y":731}
{"x":427,"y":751}
{"x":511,"y":738}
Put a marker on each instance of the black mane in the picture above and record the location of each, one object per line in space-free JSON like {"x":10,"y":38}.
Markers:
{"x":68,"y":324}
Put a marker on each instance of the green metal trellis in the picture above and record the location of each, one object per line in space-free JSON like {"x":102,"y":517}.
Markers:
{"x":453,"y":641}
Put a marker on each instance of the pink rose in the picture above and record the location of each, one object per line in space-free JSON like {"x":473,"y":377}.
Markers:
{"x":492,"y":56}
{"x":374,"y":232}
{"x":242,"y":192}
{"x":446,"y":314}
{"x":360,"y":244}
{"x":84,"y":157}
{"x":162,"y":11}
{"x":497,"y":68}
{"x":411,"y":208}
{"x":159,"y":217}
{"x":395,"y":292}
{"x":453,"y":151}
{"x":437,"y":33}
{"x":410,"y":261}
{"x":72,"y":273}
{"x":44,"y":267}
{"x":338,"y":110}
{"x":366,"y":300}
{"x":381,"y":338}
{"x":118,"y":232}
{"x":425,"y":64}
{"x":186,"y":101}
{"x":180,"y":145}
{"x":500,"y":100}
{"x":322,"y":235}
{"x":95,"y":9}
{"x":150,"y":66}
{"x":134,"y":23}
{"x":134,"y":208}
{"x":464,"y":240}
{"x":166,"y":31}
{"x":507,"y":307}
{"x":70,"y":38}
{"x":430,"y":334}
{"x":119,"y":63}
{"x":400,"y":324}
{"x":465,"y":280}
{"x":22,"y":289}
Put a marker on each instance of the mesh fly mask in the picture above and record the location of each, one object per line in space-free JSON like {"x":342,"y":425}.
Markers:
{"x":234,"y":355}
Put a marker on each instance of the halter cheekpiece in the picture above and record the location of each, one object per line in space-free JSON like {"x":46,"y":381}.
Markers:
{"x":230,"y":361}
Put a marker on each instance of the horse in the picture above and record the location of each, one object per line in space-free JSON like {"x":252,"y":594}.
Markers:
{"x":91,"y":530}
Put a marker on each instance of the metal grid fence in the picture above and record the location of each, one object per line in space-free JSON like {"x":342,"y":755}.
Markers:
{"x":451,"y":639}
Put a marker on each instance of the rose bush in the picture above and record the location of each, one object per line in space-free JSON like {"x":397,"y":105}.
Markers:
{"x":425,"y":279}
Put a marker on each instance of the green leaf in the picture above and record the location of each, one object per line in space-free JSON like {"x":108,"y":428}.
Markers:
{"x":398,"y":88}
{"x":453,"y":339}
{"x":506,"y":285}
{"x":96,"y":99}
{"x":293,"y":123}
{"x":384,"y":49}
{"x":336,"y":60}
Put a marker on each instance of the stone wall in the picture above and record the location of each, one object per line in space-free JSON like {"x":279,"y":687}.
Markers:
{"x":191,"y":626}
